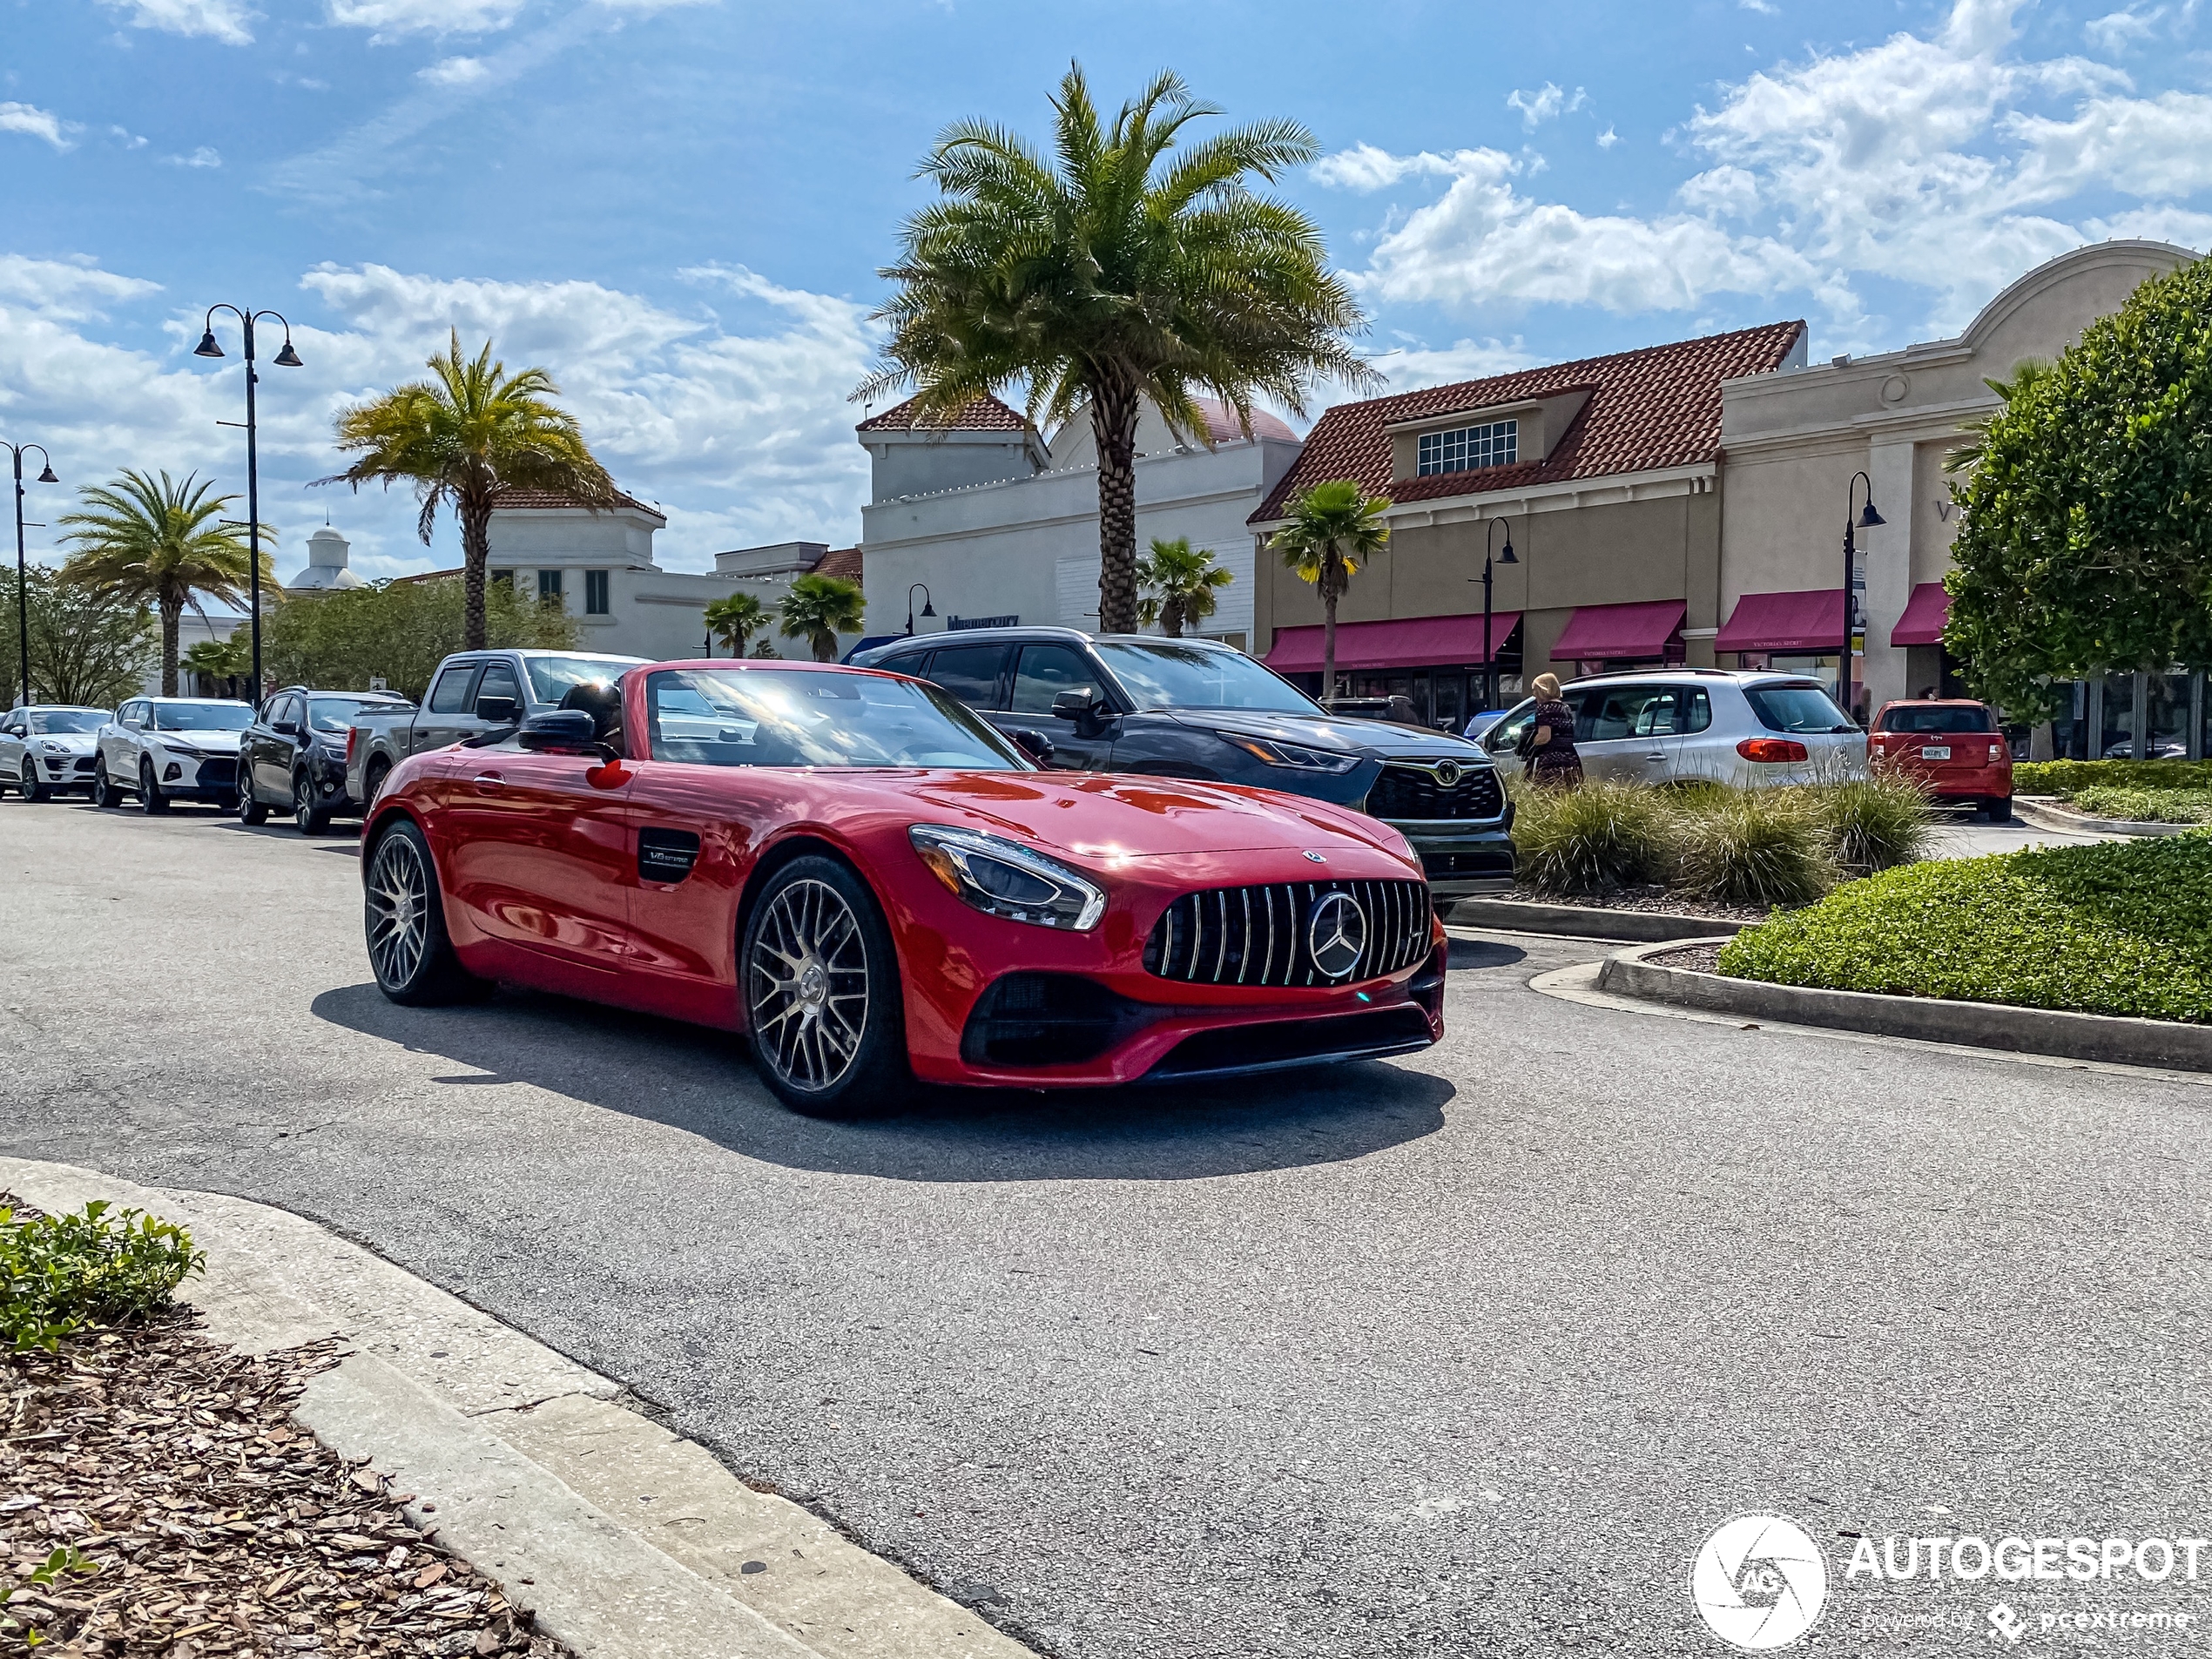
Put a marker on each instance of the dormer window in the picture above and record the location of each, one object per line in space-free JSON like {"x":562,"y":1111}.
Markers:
{"x":1467,"y":448}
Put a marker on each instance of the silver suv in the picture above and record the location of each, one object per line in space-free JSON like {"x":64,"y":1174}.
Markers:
{"x":1679,"y":725}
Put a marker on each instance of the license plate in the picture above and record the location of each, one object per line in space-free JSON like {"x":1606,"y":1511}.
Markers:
{"x":1936,"y":751}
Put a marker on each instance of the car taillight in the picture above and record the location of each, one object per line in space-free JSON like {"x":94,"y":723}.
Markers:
{"x":1772,"y":748}
{"x":353,"y":736}
{"x":1996,"y":752}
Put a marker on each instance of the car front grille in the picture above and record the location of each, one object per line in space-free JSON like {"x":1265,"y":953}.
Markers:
{"x":217,"y":774}
{"x":85,"y":763}
{"x":1410,"y":793}
{"x":1262,"y":935}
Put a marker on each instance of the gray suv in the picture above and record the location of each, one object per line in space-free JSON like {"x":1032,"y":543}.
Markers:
{"x":1191,"y":708}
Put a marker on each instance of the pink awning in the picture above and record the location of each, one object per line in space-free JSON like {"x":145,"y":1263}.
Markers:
{"x":1924,"y":614}
{"x":1596,"y":633}
{"x":1407,"y":642}
{"x":1808,"y":621}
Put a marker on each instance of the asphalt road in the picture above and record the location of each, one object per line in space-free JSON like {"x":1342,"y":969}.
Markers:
{"x":1463,"y":1354}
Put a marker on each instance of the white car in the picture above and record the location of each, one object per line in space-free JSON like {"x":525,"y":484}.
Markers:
{"x":46,"y":749}
{"x":164,"y":749}
{"x":1753,"y":730}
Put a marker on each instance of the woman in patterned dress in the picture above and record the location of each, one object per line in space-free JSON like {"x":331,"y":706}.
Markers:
{"x":1551,"y":758}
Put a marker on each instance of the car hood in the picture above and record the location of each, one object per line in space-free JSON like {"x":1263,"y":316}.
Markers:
{"x":213,"y":743}
{"x":75,"y":743}
{"x":1096,"y":815}
{"x":1376,"y":737}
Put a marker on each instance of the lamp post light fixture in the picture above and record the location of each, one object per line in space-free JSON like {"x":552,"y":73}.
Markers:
{"x":928,"y":610}
{"x":23,"y":575}
{"x":286,"y":358}
{"x":1489,"y":657}
{"x":1868,"y":519}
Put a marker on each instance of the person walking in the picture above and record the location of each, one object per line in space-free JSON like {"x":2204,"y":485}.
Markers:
{"x":1548,"y":749}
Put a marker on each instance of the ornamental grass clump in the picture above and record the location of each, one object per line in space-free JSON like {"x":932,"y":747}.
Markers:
{"x":1874,"y":823}
{"x":59,"y":1274}
{"x":1593,"y":838}
{"x":1755,"y":847}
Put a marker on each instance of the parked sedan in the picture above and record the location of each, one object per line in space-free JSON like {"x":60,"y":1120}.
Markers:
{"x":874,"y":885}
{"x":47,"y":749}
{"x":1682,"y":725}
{"x":1953,"y":746}
{"x":165,"y":749}
{"x":294,"y":753}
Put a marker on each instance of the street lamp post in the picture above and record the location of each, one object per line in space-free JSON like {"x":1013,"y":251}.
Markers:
{"x":928,"y":610}
{"x":23,"y":574}
{"x":1867,"y":520}
{"x":1489,"y":657}
{"x":286,"y":358}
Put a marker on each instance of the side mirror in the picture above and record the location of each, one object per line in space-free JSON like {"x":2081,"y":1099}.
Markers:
{"x":1034,"y":745}
{"x":505,"y":710}
{"x":562,"y":732}
{"x":286,"y":728}
{"x":1080,"y":706}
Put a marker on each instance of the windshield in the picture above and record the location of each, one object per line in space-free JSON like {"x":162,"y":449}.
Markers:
{"x":336,"y":713}
{"x":1170,"y":675}
{"x":765,"y":717}
{"x":53,"y":722}
{"x":1796,"y":708}
{"x":201,"y":717}
{"x":1937,"y":718}
{"x":551,"y":676}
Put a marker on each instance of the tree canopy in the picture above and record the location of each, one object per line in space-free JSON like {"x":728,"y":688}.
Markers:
{"x":735,"y":620}
{"x":87,"y":648}
{"x":2085,"y":544}
{"x":1328,"y":530}
{"x":1110,"y":275}
{"x":399,"y":632}
{"x":817,"y":609}
{"x":1178,"y":583}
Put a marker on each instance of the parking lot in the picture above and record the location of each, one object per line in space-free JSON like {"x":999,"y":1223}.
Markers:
{"x":1459,"y":1353}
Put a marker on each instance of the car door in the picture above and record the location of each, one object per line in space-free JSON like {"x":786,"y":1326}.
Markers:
{"x":1503,"y":738}
{"x":120,"y":744}
{"x":1041,"y":673}
{"x":1607,"y":737}
{"x":499,"y":681}
{"x":1702,"y":752}
{"x":273,"y":747}
{"x":15,"y":746}
{"x":449,"y":712}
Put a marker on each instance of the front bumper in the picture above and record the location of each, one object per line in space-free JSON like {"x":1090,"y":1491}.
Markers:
{"x":212,"y":780}
{"x":1461,"y":861}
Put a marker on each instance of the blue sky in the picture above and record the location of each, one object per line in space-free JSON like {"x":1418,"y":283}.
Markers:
{"x":679,"y":206}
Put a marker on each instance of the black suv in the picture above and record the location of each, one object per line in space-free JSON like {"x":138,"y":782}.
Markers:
{"x":1191,"y":708}
{"x":295,"y":752}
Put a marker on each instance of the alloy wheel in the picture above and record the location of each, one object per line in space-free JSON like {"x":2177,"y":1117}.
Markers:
{"x":807,"y":986}
{"x":398,"y":910}
{"x":303,"y":805}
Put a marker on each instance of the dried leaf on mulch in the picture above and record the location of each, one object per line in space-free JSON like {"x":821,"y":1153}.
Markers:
{"x":218,"y":1525}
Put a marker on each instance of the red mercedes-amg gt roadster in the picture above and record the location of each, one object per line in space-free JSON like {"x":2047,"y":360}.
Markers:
{"x":874,"y":885}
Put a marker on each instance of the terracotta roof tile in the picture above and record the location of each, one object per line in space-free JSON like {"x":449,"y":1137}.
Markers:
{"x":843,"y":562}
{"x":1659,"y":406}
{"x":514,"y":498}
{"x":984,"y":415}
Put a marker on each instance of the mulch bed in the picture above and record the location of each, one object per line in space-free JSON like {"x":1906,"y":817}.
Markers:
{"x":1698,"y":958}
{"x":1655,"y":899}
{"x":219,"y":1526}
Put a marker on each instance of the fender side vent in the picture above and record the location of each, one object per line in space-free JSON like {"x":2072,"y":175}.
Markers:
{"x":666,"y":855}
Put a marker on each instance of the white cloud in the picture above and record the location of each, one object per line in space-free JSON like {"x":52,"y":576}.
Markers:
{"x":2115,"y":31}
{"x":1547,"y":104}
{"x":1414,"y":367}
{"x":202,"y":156}
{"x":390,"y":18}
{"x":39,"y":123}
{"x":1364,"y":167}
{"x":65,"y":290}
{"x":1765,"y":8}
{"x":454,"y":71}
{"x":1606,"y":140}
{"x":223,"y":20}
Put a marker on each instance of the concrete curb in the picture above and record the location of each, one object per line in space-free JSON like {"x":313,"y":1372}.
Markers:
{"x":2107,"y":1038}
{"x":2048,"y":817}
{"x":1585,"y":922}
{"x":626,"y":1541}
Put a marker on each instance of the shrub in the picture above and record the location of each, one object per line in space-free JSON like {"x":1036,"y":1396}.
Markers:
{"x":1874,"y":823}
{"x":2146,"y":805}
{"x":1587,"y":840}
{"x":2065,"y":777}
{"x":2120,"y":927}
{"x":60,"y":1273}
{"x":1755,"y":847}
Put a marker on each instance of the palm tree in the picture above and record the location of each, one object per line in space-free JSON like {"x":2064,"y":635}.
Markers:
{"x":462,"y":436}
{"x":1108,"y":276}
{"x":817,"y":609}
{"x":735,"y":620}
{"x":1331,"y":528}
{"x":2027,"y":374}
{"x":1178,"y":581}
{"x":155,"y":542}
{"x":227,"y":661}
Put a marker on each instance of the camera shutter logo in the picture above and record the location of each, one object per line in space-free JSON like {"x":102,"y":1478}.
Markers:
{"x":1759,"y":1582}
{"x":1336,"y":934}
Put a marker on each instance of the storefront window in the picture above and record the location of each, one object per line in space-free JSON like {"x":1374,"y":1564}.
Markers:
{"x":2166,"y":725}
{"x":2117,"y":738}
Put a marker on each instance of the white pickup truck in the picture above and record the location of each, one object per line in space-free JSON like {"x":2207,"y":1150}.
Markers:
{"x":473,"y":691}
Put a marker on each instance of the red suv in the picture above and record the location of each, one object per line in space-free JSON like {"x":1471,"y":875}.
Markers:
{"x":1953,"y":746}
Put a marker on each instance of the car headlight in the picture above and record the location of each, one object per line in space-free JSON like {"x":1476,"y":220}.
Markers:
{"x":53,"y":748}
{"x":1293,"y":756}
{"x":1006,"y":879}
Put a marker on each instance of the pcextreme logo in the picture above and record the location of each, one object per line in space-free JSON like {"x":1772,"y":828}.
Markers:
{"x":1759,"y":1582}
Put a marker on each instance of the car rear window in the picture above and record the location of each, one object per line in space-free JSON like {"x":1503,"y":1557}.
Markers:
{"x":1801,"y":707}
{"x":1937,"y":717}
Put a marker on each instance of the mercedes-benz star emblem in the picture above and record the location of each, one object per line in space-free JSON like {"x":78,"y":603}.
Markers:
{"x":1336,"y":934}
{"x":1448,"y":773}
{"x":1315,"y":858}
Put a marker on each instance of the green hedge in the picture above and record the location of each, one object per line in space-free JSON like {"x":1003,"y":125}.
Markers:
{"x":59,"y":1274}
{"x":2120,"y":927}
{"x":2064,"y":777}
{"x":2146,"y":805}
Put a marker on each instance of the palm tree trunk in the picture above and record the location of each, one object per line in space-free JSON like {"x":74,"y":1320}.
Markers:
{"x":172,"y":613}
{"x":1332,"y":585}
{"x":1171,"y":617}
{"x":476,"y":549}
{"x":1113,"y":425}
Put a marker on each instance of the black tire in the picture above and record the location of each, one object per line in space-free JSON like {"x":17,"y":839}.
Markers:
{"x":808,"y":1048}
{"x":1998,"y":809}
{"x":152,"y":801}
{"x":310,"y":819}
{"x":104,"y":794}
{"x":401,"y":902}
{"x":373,"y":784}
{"x":27,"y":784}
{"x":251,"y":811}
